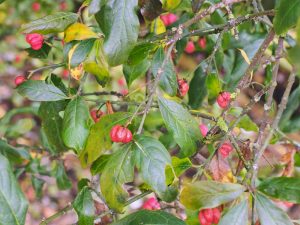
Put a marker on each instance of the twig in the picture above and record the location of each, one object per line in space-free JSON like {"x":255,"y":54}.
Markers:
{"x":54,"y":66}
{"x":57,"y":215}
{"x":274,"y":126}
{"x":99,"y":93}
{"x":268,"y":105}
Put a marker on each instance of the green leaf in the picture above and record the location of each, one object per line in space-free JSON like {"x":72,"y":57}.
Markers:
{"x":293,"y":56}
{"x":237,"y":215}
{"x":291,"y":107}
{"x":286,"y":16}
{"x":182,"y":124}
{"x":41,"y":53}
{"x":99,"y":140}
{"x":55,"y":23}
{"x":96,"y":5}
{"x":198,"y":89}
{"x":151,"y":158}
{"x":132,"y":72}
{"x":118,"y":170}
{"x":62,"y":180}
{"x":209,"y":194}
{"x":250,"y":44}
{"x":76,"y":124}
{"x":269,"y":213}
{"x":147,"y":217}
{"x":247,"y":124}
{"x":140,"y":52}
{"x":13,"y":204}
{"x":168,"y":80}
{"x":84,"y":207}
{"x":283,"y":188}
{"x":81,"y":51}
{"x":37,"y":184}
{"x":38,"y":90}
{"x":100,"y":163}
{"x":52,"y":124}
{"x":213,"y":86}
{"x":10,"y":152}
{"x":120,"y":24}
{"x":179,"y":167}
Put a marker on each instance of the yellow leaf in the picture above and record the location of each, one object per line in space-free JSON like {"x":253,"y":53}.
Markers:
{"x":157,"y":26}
{"x":245,"y":56}
{"x":170,"y":4}
{"x":79,"y":31}
{"x":77,"y":72}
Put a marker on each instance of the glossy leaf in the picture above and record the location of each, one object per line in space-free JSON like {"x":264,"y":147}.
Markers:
{"x":81,"y":52}
{"x":269,"y":213}
{"x":84,"y":207}
{"x":10,"y":152}
{"x":286,"y":16}
{"x":55,"y":23}
{"x":213,"y":86}
{"x":181,"y":124}
{"x":168,"y":80}
{"x":133,"y":72}
{"x":158,"y":26}
{"x":209,"y":194}
{"x":13,"y":204}
{"x":148,"y":217}
{"x":237,"y":215}
{"x":118,"y":170}
{"x":96,"y":64}
{"x":99,"y":165}
{"x":99,"y":140}
{"x":283,"y":188}
{"x":62,"y":180}
{"x":76,"y":124}
{"x":52,"y":124}
{"x":38,"y":90}
{"x":151,"y":158}
{"x":41,"y":53}
{"x":96,"y":5}
{"x":79,"y":32}
{"x":120,"y":24}
{"x":140,"y":52}
{"x":198,"y":89}
{"x":179,"y":167}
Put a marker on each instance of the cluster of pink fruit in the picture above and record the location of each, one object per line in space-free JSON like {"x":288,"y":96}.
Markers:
{"x":36,"y":6}
{"x":191,"y":48}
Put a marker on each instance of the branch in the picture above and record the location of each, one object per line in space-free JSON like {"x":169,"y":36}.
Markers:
{"x":274,"y":126}
{"x":57,"y":215}
{"x":99,"y":93}
{"x":268,"y":105}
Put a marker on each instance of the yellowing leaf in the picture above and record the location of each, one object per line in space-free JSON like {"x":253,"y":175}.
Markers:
{"x":170,"y":4}
{"x":77,"y":72}
{"x":245,"y":56}
{"x":157,"y":26}
{"x":79,"y":31}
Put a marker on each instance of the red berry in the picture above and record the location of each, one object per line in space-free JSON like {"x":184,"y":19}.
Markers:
{"x":17,"y":58}
{"x":203,"y":129}
{"x":223,"y":99}
{"x":63,"y":6}
{"x":209,"y":216}
{"x":225,"y":149}
{"x":124,"y":91}
{"x":120,"y":134}
{"x":183,"y":87}
{"x":217,"y":215}
{"x":172,"y":18}
{"x":151,"y":204}
{"x":202,"y":43}
{"x":35,"y":40}
{"x":121,"y":82}
{"x":19,"y":80}
{"x":36,"y":6}
{"x":96,"y":115}
{"x":65,"y":73}
{"x":190,"y":47}
{"x":168,"y":18}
